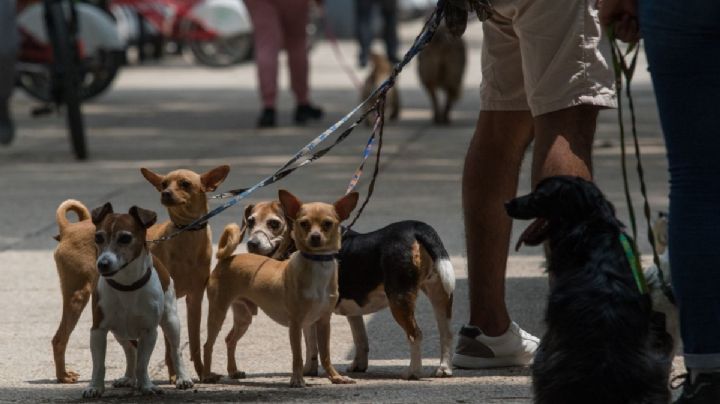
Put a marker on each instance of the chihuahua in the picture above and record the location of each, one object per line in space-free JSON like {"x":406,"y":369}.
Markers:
{"x":299,"y":293}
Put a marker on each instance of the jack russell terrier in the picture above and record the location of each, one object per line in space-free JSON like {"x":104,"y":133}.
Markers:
{"x":387,"y":267}
{"x":134,"y":295}
{"x":298,"y":293}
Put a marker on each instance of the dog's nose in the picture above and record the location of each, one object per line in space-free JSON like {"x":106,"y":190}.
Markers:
{"x":253,"y":245}
{"x":315,"y":239}
{"x":103,"y":264}
{"x":166,"y":195}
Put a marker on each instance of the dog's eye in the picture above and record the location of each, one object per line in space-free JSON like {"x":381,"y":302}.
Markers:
{"x":305,"y":225}
{"x":185,"y":184}
{"x":251,"y":222}
{"x":124,"y":239}
{"x":327,"y":225}
{"x":273,"y":224}
{"x":99,"y":238}
{"x":165,"y":184}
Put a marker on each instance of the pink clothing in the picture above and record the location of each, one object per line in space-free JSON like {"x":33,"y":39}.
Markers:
{"x":278,"y":24}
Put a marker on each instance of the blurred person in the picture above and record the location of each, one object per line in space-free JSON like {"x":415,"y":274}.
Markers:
{"x":682,"y":45}
{"x":278,"y":24}
{"x":364,"y":29}
{"x":544,"y":88}
{"x":8,"y":56}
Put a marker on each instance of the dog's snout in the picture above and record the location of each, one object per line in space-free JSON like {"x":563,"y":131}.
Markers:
{"x":315,"y":239}
{"x":166,"y":195}
{"x":253,"y":245}
{"x":103,"y":264}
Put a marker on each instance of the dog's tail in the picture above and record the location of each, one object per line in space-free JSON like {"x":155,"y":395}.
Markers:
{"x":430,"y":240}
{"x":70,"y":205}
{"x":229,"y":240}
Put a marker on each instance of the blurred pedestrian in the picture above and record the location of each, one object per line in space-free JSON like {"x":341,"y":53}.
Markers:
{"x":278,"y":24}
{"x":364,"y":28}
{"x":8,"y":56}
{"x":682,"y":44}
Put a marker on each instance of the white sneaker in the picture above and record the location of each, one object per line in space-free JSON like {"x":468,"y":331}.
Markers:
{"x":476,"y":350}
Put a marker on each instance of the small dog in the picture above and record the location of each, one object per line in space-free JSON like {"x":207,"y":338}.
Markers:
{"x":380,"y":71}
{"x":602,"y":344}
{"x":385,"y":267}
{"x":133,"y":296}
{"x":298,"y":293}
{"x":441,"y":66}
{"x":187,"y":256}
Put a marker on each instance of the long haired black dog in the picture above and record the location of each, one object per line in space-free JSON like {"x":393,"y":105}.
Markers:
{"x":602,"y":343}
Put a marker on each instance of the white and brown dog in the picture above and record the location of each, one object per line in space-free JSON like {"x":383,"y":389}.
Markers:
{"x":387,"y":267}
{"x":298,"y":293}
{"x":134,"y":295}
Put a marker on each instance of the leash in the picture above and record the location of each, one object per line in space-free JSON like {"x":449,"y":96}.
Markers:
{"x":377,"y":97}
{"x":634,"y":261}
{"x":626,"y":70}
{"x":339,"y":56}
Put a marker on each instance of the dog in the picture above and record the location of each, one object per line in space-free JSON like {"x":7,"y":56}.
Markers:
{"x":381,"y":69}
{"x":134,"y":295}
{"x":299,"y":292}
{"x":188,"y":256}
{"x":441,"y":66}
{"x":603,"y":344}
{"x":387,"y":267}
{"x":661,"y":302}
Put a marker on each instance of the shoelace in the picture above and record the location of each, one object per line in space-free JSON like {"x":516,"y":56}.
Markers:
{"x":683,"y":378}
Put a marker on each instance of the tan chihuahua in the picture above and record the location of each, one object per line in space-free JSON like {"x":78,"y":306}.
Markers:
{"x":188,"y":255}
{"x":298,"y":293}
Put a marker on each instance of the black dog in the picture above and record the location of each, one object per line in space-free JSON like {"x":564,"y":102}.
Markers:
{"x":603,"y":343}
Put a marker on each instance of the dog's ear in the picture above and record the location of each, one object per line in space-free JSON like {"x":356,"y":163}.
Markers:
{"x":145,"y":217}
{"x":290,"y":203}
{"x":153,"y":178}
{"x":98,"y":214}
{"x":246,"y":215}
{"x":214,"y":177}
{"x":345,"y":205}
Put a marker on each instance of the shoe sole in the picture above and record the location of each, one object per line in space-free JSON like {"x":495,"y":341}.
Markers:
{"x":473,"y":362}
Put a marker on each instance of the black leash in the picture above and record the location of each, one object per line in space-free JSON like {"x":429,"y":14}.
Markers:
{"x":626,"y":71}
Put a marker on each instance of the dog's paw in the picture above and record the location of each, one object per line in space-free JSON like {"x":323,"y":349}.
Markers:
{"x":93,"y":392}
{"x":297,"y":381}
{"x":172,"y":379}
{"x":342,"y":380}
{"x":238,"y":374}
{"x":310,"y":369}
{"x":211,"y":378}
{"x":68,"y":377}
{"x":443,"y":371}
{"x":150,"y":390}
{"x":123,"y":382}
{"x":184,"y":383}
{"x":357,"y":366}
{"x":412,"y":374}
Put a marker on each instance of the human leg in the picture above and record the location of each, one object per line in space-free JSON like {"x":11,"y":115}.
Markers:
{"x":390,"y":35}
{"x":683,"y":50}
{"x":8,"y":53}
{"x":363,"y":29}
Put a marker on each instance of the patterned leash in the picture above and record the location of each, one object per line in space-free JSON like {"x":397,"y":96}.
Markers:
{"x":624,"y":64}
{"x":307,"y":154}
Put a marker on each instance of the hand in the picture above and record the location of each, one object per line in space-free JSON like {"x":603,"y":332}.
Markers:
{"x":622,"y":16}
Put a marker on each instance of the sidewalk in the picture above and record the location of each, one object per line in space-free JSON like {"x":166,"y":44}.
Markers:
{"x":178,"y":115}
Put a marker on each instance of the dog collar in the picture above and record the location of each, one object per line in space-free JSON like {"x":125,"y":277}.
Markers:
{"x":319,"y":257}
{"x":133,"y":286}
{"x":634,"y":261}
{"x":187,"y":227}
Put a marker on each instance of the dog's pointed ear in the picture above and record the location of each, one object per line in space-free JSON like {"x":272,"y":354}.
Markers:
{"x":345,"y":205}
{"x":246,"y":215}
{"x":213,"y":178}
{"x":98,"y":214}
{"x":145,"y":217}
{"x":153,"y":178}
{"x":290,"y":203}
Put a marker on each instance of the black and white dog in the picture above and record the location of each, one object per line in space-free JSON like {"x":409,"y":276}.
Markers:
{"x":603,"y":344}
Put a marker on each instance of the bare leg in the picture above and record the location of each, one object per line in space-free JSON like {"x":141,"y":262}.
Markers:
{"x":295,"y":334}
{"x":72,"y":309}
{"x":130,"y":362}
{"x":490,"y":178}
{"x":403,"y":310}
{"x":442,"y":307}
{"x":194,"y":316}
{"x":323,"y":334}
{"x":217,"y":310}
{"x":242,"y":317}
{"x":311,"y":351}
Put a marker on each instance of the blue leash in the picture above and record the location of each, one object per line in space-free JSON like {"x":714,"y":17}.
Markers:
{"x":378,"y":95}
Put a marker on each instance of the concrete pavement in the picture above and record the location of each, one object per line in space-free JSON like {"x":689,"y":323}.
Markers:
{"x":178,"y":115}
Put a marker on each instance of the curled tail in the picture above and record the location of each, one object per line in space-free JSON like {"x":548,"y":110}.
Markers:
{"x":430,"y":240}
{"x":70,"y":205}
{"x":229,"y":240}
